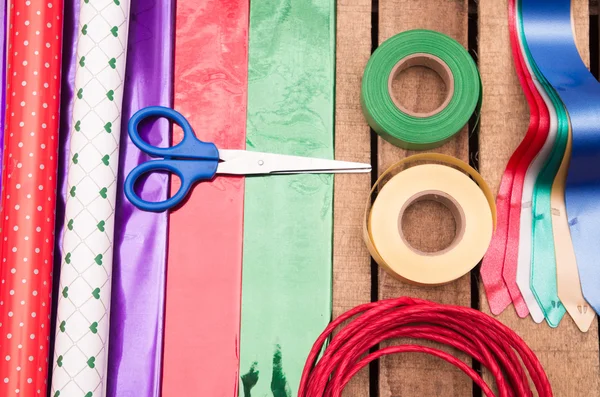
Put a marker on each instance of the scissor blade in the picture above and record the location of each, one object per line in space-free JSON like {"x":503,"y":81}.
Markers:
{"x":242,"y":162}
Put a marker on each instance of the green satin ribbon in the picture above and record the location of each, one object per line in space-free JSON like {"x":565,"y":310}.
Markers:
{"x":288,"y":220}
{"x":543,"y":257}
{"x":426,"y":131}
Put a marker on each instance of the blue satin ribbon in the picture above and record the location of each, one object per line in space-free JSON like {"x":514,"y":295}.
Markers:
{"x":549,"y":34}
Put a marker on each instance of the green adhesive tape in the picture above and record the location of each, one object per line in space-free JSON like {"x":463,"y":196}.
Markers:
{"x":409,"y":129}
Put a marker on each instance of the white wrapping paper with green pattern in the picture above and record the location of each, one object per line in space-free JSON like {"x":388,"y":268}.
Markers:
{"x":81,"y":346}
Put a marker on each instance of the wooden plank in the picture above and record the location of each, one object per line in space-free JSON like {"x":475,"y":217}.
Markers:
{"x":569,"y":356}
{"x":415,"y":374}
{"x":351,"y":260}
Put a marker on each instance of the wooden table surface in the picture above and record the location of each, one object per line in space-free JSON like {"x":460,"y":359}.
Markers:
{"x":571,"y":358}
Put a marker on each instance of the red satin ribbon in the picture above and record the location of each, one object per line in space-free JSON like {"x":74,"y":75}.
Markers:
{"x":29,"y":194}
{"x":499,"y":267}
{"x":201,"y":353}
{"x":495,"y":346}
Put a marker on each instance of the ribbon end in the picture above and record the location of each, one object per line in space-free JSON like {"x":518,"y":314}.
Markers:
{"x":521,"y":307}
{"x":498,"y":303}
{"x":582,"y":314}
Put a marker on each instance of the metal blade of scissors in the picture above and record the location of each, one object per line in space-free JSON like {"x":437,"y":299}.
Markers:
{"x":242,"y":162}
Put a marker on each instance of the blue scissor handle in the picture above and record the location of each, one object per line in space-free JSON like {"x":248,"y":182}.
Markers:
{"x":189,"y":172}
{"x":190,"y":146}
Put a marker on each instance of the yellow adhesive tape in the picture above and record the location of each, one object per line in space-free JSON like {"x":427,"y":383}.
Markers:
{"x":454,"y":184}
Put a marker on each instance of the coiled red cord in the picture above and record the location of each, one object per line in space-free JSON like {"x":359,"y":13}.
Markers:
{"x":495,"y":346}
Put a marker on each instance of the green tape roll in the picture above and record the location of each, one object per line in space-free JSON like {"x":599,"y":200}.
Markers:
{"x":413,"y":130}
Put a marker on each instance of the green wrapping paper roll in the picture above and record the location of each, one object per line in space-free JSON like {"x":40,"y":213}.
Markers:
{"x":403,"y":127}
{"x":288,"y":222}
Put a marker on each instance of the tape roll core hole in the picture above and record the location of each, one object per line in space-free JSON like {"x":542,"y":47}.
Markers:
{"x":431,"y":223}
{"x":423,"y":82}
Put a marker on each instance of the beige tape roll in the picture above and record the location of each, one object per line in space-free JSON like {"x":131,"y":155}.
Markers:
{"x":454,"y":184}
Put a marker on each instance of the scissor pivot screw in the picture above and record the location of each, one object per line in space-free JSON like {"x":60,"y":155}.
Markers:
{"x":261,"y":162}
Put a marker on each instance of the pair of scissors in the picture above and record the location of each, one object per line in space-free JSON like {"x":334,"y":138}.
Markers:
{"x":193,"y":160}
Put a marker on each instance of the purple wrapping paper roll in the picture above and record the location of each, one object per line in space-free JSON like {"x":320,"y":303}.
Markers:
{"x":137,"y":309}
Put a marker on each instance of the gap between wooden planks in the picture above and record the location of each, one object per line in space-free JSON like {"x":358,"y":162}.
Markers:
{"x":569,"y":357}
{"x":351,"y":260}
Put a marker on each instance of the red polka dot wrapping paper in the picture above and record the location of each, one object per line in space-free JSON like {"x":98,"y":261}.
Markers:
{"x":29,"y":194}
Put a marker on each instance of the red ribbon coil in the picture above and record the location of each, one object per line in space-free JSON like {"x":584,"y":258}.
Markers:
{"x":495,"y":346}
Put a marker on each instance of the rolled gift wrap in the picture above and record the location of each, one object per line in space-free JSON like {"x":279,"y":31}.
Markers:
{"x":139,"y":266}
{"x":82,"y":325}
{"x":3,"y":41}
{"x":67,"y":93}
{"x":29,"y":194}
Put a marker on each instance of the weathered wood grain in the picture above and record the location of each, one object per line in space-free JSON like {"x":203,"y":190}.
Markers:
{"x":569,"y":356}
{"x":413,"y":374}
{"x":351,"y":260}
